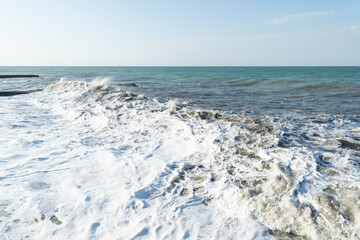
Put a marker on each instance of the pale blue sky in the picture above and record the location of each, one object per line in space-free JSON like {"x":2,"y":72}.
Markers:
{"x":180,"y":33}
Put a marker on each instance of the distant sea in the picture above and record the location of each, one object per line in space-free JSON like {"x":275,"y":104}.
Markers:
{"x":180,"y":152}
{"x":332,"y":90}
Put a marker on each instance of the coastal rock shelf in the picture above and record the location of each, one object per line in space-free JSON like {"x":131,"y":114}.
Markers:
{"x":12,"y":93}
{"x":19,"y":76}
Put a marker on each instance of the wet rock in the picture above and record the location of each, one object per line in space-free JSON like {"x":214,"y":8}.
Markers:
{"x":55,"y":220}
{"x":189,"y":167}
{"x":205,"y":115}
{"x":213,"y":178}
{"x":19,"y":76}
{"x":284,"y":144}
{"x":185,"y":192}
{"x":285,"y":235}
{"x":350,"y":145}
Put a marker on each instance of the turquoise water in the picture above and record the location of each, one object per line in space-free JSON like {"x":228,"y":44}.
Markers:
{"x":331,"y":90}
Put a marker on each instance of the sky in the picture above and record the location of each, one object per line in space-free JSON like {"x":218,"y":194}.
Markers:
{"x":179,"y":33}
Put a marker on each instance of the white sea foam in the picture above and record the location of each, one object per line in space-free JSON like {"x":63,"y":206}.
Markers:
{"x":83,"y":160}
{"x":101,"y":81}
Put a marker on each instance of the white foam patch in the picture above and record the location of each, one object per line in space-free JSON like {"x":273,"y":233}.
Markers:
{"x":101,"y":81}
{"x":84,"y":161}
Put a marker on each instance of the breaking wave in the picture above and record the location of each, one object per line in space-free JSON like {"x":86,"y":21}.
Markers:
{"x":297,"y":175}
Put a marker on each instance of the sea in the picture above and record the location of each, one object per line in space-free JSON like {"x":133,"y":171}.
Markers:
{"x":180,"y":153}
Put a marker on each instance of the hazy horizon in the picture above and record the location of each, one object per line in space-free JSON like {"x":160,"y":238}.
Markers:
{"x":180,"y":66}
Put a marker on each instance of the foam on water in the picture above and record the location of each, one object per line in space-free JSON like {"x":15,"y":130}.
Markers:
{"x":84,"y":160}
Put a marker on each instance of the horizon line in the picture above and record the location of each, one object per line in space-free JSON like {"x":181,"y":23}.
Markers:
{"x":179,"y":65}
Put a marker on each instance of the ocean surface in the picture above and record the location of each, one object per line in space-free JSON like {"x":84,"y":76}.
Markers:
{"x":180,"y":153}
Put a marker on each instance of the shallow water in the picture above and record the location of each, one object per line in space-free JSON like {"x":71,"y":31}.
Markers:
{"x":169,"y":153}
